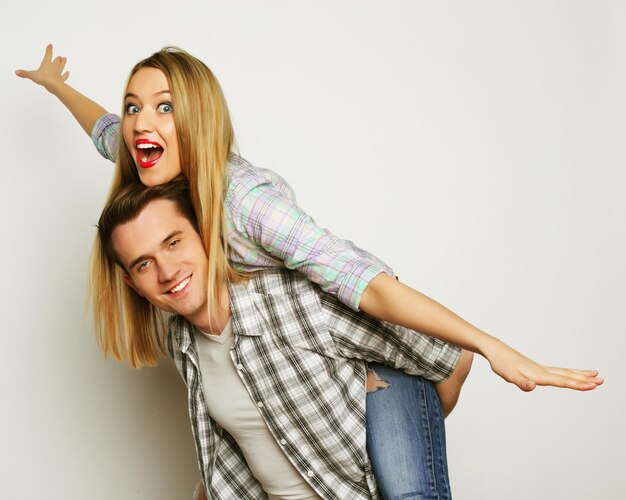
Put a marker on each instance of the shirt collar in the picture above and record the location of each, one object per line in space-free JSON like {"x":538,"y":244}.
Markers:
{"x":248,"y":317}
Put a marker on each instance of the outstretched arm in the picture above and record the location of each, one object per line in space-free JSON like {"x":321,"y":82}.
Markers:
{"x":387,"y":299}
{"x":52,"y":77}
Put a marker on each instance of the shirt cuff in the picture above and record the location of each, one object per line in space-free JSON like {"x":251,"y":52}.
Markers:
{"x":105,"y":138}
{"x":363,"y":271}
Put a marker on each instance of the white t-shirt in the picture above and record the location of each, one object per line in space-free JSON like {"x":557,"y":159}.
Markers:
{"x":232,"y":408}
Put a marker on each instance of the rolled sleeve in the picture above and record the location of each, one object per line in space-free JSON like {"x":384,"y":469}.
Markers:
{"x":105,"y":135}
{"x":356,"y":280}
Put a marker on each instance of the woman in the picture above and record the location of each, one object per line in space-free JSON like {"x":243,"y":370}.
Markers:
{"x":172,"y":99}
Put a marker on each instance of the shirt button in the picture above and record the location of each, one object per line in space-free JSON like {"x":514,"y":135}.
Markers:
{"x":283,"y":441}
{"x":310,"y":473}
{"x":260,"y":404}
{"x":239,"y":366}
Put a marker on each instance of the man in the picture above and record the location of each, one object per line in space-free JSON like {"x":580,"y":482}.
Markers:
{"x":276,"y":371}
{"x":275,"y":354}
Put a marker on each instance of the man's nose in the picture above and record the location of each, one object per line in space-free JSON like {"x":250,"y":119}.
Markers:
{"x":167,"y":271}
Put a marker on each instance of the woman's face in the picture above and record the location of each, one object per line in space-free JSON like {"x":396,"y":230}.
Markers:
{"x":148,"y":127}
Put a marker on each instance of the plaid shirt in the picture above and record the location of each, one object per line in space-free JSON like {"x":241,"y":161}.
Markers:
{"x":265,"y":228}
{"x":301,"y":356}
{"x":293,"y":341}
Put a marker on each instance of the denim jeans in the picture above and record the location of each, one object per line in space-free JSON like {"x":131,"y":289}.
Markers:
{"x":406,"y":439}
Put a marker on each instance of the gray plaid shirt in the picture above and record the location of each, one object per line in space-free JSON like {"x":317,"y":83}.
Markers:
{"x":301,"y":355}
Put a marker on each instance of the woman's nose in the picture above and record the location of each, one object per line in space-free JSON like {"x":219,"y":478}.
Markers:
{"x":144,"y":121}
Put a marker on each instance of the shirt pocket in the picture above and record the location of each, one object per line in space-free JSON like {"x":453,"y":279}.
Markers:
{"x":295,"y":321}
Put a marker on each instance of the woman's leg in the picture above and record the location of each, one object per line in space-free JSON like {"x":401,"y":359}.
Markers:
{"x":406,"y":439}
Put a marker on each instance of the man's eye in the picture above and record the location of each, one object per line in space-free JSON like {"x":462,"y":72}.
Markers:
{"x":131,"y":109}
{"x":143,"y":265}
{"x":165,"y":107}
{"x":174,"y":243}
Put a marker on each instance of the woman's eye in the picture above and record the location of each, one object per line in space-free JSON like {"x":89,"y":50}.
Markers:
{"x":165,"y":107}
{"x":174,"y":243}
{"x":131,"y":109}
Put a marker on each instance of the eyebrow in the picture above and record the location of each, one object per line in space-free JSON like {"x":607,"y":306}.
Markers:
{"x":177,"y":232}
{"x":130,"y":94}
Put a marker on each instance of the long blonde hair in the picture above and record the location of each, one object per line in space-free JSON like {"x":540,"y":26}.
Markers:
{"x":129,"y":327}
{"x":205,"y":139}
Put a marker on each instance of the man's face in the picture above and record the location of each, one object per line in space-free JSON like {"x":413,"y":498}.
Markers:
{"x":165,"y":261}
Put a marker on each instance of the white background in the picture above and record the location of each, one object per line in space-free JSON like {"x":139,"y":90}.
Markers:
{"x":477,"y":147}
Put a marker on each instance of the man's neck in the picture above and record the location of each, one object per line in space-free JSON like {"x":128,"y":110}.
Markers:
{"x":216,"y":323}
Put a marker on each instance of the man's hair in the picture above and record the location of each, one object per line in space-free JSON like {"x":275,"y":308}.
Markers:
{"x":205,"y":140}
{"x":127,"y":325}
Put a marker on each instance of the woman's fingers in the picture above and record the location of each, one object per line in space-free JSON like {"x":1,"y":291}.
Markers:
{"x":34,"y":73}
{"x":64,"y":74}
{"x":527,"y":374}
{"x":50,"y":72}
{"x":581,"y":380}
{"x":48,"y":54}
{"x":572,"y":372}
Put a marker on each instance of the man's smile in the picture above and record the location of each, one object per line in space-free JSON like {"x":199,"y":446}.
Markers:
{"x":176,"y":290}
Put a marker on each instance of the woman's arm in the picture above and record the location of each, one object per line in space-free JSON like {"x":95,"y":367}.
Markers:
{"x":52,"y":77}
{"x":387,"y":299}
{"x":267,"y":221}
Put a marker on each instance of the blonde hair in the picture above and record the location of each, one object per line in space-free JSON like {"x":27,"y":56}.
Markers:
{"x":205,"y":139}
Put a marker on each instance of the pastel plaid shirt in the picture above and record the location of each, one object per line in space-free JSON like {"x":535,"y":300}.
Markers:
{"x":301,"y":355}
{"x":265,"y":228}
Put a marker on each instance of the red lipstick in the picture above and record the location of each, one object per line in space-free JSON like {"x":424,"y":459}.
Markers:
{"x":148,"y":153}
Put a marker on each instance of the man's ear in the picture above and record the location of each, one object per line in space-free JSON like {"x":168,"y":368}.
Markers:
{"x":129,"y":281}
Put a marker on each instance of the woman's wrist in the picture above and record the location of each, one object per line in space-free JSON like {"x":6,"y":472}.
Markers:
{"x":487,"y":345}
{"x":56,"y":88}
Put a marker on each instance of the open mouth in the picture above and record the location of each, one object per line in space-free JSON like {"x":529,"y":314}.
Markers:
{"x":180,"y":287}
{"x":148,"y":153}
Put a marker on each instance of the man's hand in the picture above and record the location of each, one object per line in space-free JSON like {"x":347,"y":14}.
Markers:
{"x":450,"y":390}
{"x":200,"y":493}
{"x":50,"y":74}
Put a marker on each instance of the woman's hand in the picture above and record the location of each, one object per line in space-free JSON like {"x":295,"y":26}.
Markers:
{"x":527,"y":374}
{"x":387,"y":299}
{"x":50,"y":74}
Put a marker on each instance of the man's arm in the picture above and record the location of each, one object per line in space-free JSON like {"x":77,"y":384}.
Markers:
{"x":387,"y":299}
{"x":52,"y":77}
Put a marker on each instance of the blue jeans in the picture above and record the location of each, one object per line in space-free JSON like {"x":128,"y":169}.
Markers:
{"x":406,"y":439}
